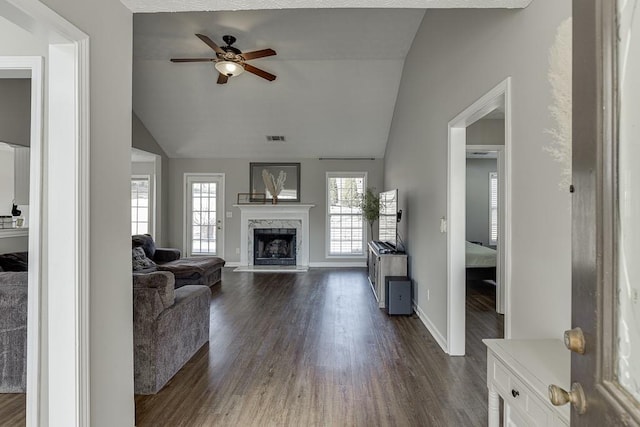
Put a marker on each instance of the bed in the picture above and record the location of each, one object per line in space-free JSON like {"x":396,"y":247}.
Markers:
{"x":480,"y":262}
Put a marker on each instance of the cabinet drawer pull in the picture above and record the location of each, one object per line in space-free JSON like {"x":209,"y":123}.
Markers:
{"x":515,"y":393}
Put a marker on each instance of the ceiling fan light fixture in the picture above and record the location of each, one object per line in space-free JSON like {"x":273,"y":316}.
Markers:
{"x":229,"y":68}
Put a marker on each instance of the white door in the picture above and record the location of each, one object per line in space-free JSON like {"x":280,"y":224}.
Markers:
{"x":204,"y":207}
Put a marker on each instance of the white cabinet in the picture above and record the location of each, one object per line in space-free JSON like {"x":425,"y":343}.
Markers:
{"x":520,"y":372}
{"x":381,"y":266}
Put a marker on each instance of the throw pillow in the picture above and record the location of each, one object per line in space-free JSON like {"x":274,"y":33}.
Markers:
{"x":139,"y":260}
{"x":145,"y":241}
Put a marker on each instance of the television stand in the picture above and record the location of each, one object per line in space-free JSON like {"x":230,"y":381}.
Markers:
{"x":382,"y":264}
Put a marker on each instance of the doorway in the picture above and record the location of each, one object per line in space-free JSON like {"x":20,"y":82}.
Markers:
{"x":496,"y":101}
{"x":21,"y":107}
{"x":146,"y":194}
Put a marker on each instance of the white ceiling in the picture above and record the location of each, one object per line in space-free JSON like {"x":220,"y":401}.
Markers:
{"x":338,"y":76}
{"x":197,"y":5}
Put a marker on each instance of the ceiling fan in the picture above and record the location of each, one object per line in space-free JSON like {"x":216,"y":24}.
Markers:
{"x":231,"y":61}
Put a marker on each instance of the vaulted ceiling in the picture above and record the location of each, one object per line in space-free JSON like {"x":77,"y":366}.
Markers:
{"x":338,"y":73}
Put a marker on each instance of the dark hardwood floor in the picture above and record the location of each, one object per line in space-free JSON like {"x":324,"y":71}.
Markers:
{"x":313,"y":349}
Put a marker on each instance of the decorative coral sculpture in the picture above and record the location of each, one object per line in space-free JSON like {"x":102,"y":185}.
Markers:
{"x":273,"y":185}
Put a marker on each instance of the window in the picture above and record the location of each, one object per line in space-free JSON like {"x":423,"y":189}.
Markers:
{"x":493,"y":208}
{"x":204,"y":204}
{"x":140,"y":204}
{"x":345,"y":225}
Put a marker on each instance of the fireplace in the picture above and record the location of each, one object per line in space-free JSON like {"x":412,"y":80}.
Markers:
{"x":282,"y":216}
{"x":274,"y":246}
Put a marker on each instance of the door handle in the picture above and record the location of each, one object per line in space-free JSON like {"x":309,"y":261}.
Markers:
{"x":559,"y":396}
{"x":574,"y":340}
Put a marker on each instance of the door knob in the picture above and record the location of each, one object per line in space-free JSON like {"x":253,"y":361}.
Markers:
{"x":574,"y":340}
{"x":558,"y":397}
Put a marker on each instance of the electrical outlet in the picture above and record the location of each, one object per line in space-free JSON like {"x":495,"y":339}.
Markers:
{"x":237,"y":251}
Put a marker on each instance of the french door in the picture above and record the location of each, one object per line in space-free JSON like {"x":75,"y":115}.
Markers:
{"x":605,"y":363}
{"x":204,"y":208}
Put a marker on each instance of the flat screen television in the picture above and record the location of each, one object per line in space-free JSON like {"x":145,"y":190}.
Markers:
{"x":388,"y":219}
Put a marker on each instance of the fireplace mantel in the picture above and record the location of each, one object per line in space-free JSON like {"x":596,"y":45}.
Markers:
{"x":250,"y":214}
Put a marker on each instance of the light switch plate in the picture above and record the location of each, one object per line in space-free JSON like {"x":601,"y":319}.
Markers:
{"x":229,"y":214}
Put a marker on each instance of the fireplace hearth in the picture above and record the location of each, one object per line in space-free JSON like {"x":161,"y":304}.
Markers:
{"x":274,"y":246}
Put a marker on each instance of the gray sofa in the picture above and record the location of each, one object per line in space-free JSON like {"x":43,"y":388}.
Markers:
{"x":200,"y":270}
{"x":169,"y":326}
{"x":13,"y":332}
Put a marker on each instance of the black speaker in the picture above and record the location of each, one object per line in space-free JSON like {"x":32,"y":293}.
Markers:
{"x":398,"y":294}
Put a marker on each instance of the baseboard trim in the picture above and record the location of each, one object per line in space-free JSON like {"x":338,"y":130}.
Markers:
{"x":338,"y":264}
{"x":441,"y":340}
{"x":315,"y":264}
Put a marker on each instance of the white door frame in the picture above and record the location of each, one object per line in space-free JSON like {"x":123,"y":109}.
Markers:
{"x":58,"y":317}
{"x":186,"y":231}
{"x":456,"y":213}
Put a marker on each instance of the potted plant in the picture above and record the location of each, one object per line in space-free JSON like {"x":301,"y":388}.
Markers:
{"x":370,"y":208}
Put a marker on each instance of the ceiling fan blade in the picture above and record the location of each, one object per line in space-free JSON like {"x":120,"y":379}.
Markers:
{"x":222,"y":79}
{"x":192,"y":59}
{"x":259,"y":72}
{"x":258,"y":54}
{"x":210,"y":43}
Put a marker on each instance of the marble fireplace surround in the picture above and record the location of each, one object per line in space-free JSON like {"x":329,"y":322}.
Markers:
{"x":274,"y":216}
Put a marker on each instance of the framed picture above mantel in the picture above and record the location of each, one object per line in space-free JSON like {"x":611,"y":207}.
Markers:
{"x":279,"y":181}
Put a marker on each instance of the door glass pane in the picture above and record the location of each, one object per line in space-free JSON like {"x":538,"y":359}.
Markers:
{"x":628,"y":326}
{"x":203,"y":218}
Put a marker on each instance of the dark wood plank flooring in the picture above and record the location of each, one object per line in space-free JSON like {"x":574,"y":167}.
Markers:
{"x":313,"y":349}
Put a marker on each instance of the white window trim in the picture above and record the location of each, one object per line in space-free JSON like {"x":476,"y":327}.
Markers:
{"x":186,"y":223}
{"x":152,"y":203}
{"x":494,"y":242}
{"x":327,"y":253}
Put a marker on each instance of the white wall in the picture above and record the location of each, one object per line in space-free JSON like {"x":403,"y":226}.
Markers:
{"x":313,"y":190}
{"x":15,"y":111}
{"x":486,"y":132}
{"x":478,"y":198}
{"x":456,"y":57}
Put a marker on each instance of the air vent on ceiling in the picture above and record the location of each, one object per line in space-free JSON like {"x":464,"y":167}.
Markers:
{"x":275,"y":138}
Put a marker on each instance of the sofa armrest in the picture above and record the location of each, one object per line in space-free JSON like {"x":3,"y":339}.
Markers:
{"x":160,"y":283}
{"x":166,"y":255}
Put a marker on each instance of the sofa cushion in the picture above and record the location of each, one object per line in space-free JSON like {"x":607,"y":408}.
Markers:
{"x":145,"y":241}
{"x":139,"y":260}
{"x":14,"y":261}
{"x":192,"y":267}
